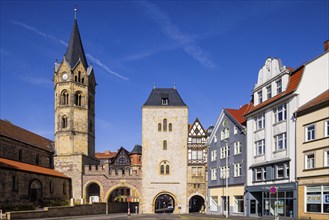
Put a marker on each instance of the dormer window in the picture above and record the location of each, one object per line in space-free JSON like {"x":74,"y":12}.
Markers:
{"x":260,"y":97}
{"x":164,"y":101}
{"x":279,"y":86}
{"x":269,"y":92}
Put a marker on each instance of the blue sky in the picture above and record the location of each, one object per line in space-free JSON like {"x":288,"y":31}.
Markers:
{"x":212,"y":50}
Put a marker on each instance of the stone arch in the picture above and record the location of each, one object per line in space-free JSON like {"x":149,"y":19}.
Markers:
{"x":101,"y":189}
{"x":35,"y":191}
{"x":197,"y":206}
{"x":163,"y":193}
{"x":135,"y":191}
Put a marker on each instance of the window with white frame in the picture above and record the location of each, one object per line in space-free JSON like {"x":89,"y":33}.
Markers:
{"x":326,"y":128}
{"x":222,"y":152}
{"x":269,"y":92}
{"x":260,"y":147}
{"x":224,"y":172}
{"x":280,"y":113}
{"x":238,"y":204}
{"x":258,"y":174}
{"x":309,"y":161}
{"x":225,"y":133}
{"x":235,"y":129}
{"x":310,"y":132}
{"x":213,"y":174}
{"x":326,"y":158}
{"x":316,"y":199}
{"x":260,"y":96}
{"x":215,"y":139}
{"x":279,"y":86}
{"x":279,"y":171}
{"x":287,"y":170}
{"x":237,"y":169}
{"x":280,"y":141}
{"x":225,"y":152}
{"x":213,"y":155}
{"x":260,"y":121}
{"x":237,"y":147}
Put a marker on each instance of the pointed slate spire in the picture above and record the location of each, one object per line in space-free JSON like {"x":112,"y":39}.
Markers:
{"x":74,"y":50}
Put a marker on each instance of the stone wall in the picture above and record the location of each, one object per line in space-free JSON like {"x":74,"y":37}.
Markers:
{"x":48,"y":212}
{"x":51,"y":188}
{"x":9,"y":149}
{"x":108,"y":182}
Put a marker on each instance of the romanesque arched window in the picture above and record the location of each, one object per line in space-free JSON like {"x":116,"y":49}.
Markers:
{"x":164,"y":168}
{"x":170,"y":127}
{"x":164,"y":124}
{"x":64,"y":121}
{"x":64,"y":98}
{"x":37,"y":159}
{"x":78,"y":99}
{"x":20,"y":155}
{"x":159,"y":127}
{"x":164,"y":145}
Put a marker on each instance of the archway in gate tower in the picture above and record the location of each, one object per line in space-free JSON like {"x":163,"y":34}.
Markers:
{"x":164,"y":203}
{"x":122,"y":198}
{"x":196,"y":204}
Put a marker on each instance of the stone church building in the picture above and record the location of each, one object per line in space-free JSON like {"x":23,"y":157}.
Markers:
{"x":173,"y":152}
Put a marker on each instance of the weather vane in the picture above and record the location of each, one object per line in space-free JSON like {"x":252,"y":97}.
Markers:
{"x":75,"y":10}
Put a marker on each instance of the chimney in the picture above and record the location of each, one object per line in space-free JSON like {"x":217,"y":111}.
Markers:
{"x":326,"y":45}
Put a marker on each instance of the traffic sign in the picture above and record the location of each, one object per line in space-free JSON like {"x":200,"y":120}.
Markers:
{"x":273,"y":189}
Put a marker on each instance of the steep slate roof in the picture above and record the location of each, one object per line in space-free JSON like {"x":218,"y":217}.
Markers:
{"x":14,"y":132}
{"x":15,"y":165}
{"x":156,"y":96}
{"x":238,"y":114}
{"x":318,"y":102}
{"x":137,"y":149}
{"x":74,"y":49}
{"x":293,"y":83}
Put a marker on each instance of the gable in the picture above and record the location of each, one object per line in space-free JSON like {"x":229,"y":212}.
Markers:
{"x":197,"y":129}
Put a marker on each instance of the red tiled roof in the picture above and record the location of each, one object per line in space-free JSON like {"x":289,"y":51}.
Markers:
{"x":12,"y":164}
{"x":322,"y":98}
{"x":293,"y":83}
{"x":105,"y":155}
{"x":238,"y":114}
{"x":12,"y":131}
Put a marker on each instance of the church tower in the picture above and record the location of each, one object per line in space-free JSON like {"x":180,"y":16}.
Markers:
{"x":74,"y":87}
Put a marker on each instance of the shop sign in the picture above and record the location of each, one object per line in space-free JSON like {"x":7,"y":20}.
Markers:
{"x":326,"y":199}
{"x":313,"y":199}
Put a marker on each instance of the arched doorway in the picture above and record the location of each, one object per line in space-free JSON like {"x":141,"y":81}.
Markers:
{"x":120,"y":198}
{"x":196,"y":204}
{"x":93,"y":192}
{"x":35,"y":190}
{"x":164,"y":203}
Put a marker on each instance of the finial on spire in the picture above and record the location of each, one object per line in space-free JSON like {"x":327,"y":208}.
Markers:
{"x":174,"y":85}
{"x":75,"y":11}
{"x":154,"y":85}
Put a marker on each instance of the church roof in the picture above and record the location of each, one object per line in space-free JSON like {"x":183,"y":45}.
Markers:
{"x":14,"y":132}
{"x":74,"y":49}
{"x":157,"y":95}
{"x":25,"y":167}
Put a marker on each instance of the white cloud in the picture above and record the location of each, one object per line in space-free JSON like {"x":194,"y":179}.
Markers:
{"x":173,"y":32}
{"x":94,"y":59}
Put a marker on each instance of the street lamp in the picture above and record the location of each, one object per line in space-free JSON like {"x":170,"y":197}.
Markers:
{"x":226,"y":179}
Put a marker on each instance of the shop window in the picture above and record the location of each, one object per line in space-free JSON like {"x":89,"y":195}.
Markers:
{"x":238,"y":204}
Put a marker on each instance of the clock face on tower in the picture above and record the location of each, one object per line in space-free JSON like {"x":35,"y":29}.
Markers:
{"x":64,"y":76}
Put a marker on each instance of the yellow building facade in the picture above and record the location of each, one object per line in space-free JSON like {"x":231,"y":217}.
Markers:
{"x":312,"y":156}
